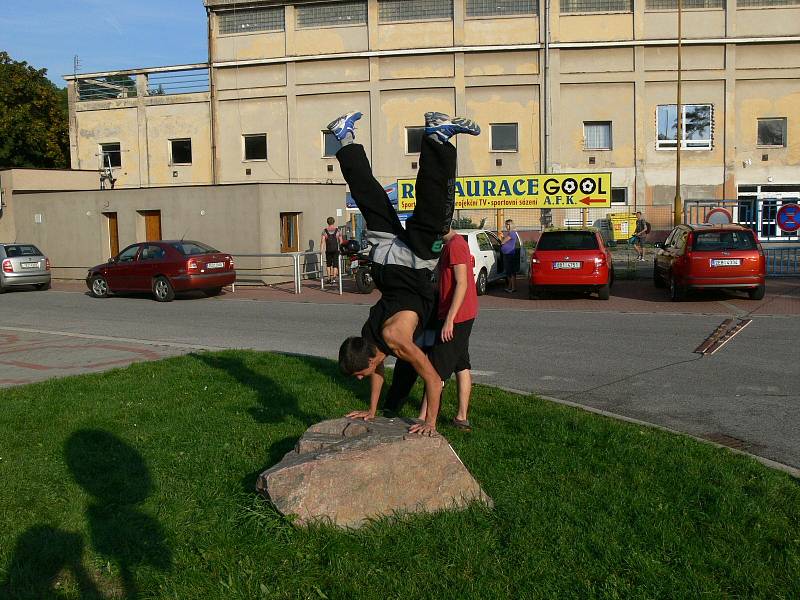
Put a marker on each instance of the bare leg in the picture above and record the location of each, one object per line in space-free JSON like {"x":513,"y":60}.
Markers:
{"x":464,"y":381}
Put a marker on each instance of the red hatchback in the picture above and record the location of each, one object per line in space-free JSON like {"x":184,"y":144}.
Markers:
{"x":163,"y":268}
{"x":568,"y":259}
{"x":710,"y":256}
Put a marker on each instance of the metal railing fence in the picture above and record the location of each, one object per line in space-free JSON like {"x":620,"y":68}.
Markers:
{"x":783,"y":262}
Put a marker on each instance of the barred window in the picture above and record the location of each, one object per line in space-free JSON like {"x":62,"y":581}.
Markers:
{"x":414,"y":10}
{"x":673,"y":4}
{"x":332,"y":13}
{"x":493,"y":8}
{"x":594,"y":6}
{"x":765,"y":3}
{"x":253,"y":19}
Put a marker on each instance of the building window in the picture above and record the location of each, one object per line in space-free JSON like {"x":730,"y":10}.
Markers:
{"x":772,"y":132}
{"x":414,"y":137}
{"x":696,"y":124}
{"x":251,"y":19}
{"x":331,"y":14}
{"x":111,"y":155}
{"x":504,"y":137}
{"x":673,"y":4}
{"x":596,"y":6}
{"x":414,"y":10}
{"x":255,"y":146}
{"x":330,"y":145}
{"x":290,"y":232}
{"x":180,"y":152}
{"x":499,"y":8}
{"x":619,"y":195}
{"x":597,"y":135}
{"x":765,"y":3}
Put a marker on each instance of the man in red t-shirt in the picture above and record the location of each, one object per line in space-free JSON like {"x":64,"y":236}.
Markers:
{"x":458,"y":307}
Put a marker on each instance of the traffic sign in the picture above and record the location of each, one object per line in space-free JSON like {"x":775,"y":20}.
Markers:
{"x":789,"y":218}
{"x":719,"y":216}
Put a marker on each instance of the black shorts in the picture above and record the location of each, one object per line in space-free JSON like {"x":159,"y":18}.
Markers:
{"x":332,"y":259}
{"x":453,"y":356}
{"x":511,"y":262}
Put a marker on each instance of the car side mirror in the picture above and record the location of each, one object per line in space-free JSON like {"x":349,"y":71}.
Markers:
{"x":113,"y":259}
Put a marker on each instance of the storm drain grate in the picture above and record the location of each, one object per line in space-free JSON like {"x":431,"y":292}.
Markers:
{"x":732,"y":442}
{"x":723,"y":334}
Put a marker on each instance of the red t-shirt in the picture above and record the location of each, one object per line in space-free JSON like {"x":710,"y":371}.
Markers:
{"x":456,"y":252}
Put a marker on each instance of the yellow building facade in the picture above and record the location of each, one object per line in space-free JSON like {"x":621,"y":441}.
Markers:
{"x":557,"y":86}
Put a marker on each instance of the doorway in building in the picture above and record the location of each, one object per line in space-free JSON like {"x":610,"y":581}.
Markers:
{"x":290,"y":232}
{"x":152,"y":224}
{"x":113,"y":233}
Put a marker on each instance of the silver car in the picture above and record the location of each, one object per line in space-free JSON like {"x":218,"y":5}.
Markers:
{"x":23,"y":264}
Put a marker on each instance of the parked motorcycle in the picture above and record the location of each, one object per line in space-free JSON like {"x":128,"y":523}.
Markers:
{"x":360,"y":265}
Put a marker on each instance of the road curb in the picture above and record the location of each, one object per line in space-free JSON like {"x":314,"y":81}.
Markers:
{"x":778,"y":466}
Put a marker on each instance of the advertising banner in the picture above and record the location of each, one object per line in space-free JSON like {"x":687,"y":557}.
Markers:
{"x":561,"y":190}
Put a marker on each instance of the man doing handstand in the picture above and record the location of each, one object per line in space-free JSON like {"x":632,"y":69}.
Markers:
{"x":402,"y":259}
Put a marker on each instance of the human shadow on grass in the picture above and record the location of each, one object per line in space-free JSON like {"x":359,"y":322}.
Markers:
{"x":276,"y":404}
{"x":44,"y":559}
{"x":117,"y":478}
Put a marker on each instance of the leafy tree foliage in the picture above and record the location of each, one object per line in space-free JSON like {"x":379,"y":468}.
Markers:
{"x":34,"y":120}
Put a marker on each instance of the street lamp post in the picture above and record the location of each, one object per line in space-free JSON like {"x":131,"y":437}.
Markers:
{"x":677,"y":216}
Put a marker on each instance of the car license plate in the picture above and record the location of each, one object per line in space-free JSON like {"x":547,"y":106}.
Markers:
{"x":566,"y":265}
{"x":726,"y":262}
{"x":216,"y":265}
{"x":30,"y":265}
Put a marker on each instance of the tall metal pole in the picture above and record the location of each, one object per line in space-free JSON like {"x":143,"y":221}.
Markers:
{"x":677,"y":216}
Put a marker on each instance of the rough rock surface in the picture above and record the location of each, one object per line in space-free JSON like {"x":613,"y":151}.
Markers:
{"x":347,"y":471}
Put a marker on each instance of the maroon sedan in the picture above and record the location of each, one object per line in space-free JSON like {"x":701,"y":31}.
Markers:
{"x":163,"y":268}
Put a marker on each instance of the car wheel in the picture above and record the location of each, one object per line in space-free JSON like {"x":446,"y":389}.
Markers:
{"x":604,"y":292}
{"x":99,"y":287}
{"x":757,"y":293}
{"x":43,"y":286}
{"x":364,"y":281}
{"x":657,"y":281}
{"x":676,"y":292}
{"x":216,"y":291}
{"x":482,"y":283}
{"x":162,"y":289}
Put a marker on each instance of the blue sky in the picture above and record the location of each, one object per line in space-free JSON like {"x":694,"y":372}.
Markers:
{"x":106,"y":34}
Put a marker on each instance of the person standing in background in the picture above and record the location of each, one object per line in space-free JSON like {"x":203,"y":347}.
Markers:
{"x":331,"y":241}
{"x":511,"y":249}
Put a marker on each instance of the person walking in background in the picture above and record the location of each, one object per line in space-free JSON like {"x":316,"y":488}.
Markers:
{"x":511,"y":248}
{"x":331,"y":241}
{"x":639,"y":235}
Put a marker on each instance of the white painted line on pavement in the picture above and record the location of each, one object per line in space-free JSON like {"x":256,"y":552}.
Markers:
{"x":107,"y":338}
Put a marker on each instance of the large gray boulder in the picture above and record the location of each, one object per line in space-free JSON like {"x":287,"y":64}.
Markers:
{"x":347,"y":471}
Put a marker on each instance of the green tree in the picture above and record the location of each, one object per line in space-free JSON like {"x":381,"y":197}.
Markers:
{"x":34,"y":120}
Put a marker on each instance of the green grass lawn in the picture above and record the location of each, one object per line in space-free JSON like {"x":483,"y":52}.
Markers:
{"x":139,"y":483}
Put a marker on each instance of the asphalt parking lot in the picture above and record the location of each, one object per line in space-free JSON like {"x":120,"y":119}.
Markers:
{"x":631,"y":356}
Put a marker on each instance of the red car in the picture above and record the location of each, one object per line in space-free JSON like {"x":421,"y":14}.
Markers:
{"x":163,"y":268}
{"x":568,"y":259}
{"x":710,"y":256}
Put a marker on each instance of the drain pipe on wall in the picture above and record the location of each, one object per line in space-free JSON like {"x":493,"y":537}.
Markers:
{"x":211,"y":90}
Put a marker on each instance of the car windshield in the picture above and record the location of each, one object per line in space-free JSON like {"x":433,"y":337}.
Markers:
{"x":193,"y":248}
{"x":13,"y":250}
{"x":713,"y":241}
{"x":567,"y":240}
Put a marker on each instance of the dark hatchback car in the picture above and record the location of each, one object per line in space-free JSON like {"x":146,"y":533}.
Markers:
{"x":163,"y":268}
{"x":710,"y":256}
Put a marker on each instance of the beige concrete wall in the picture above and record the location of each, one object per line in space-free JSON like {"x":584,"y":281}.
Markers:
{"x":241,"y":219}
{"x":773,"y":56}
{"x":663,"y":25}
{"x":250,"y":77}
{"x":249,"y":46}
{"x":511,"y":30}
{"x":759,"y":99}
{"x":693,"y":58}
{"x":425,"y":34}
{"x":767,"y":21}
{"x":594,"y":28}
{"x":332,"y":71}
{"x":173,"y":121}
{"x":104,"y":126}
{"x":417,"y":67}
{"x":331,"y":40}
{"x":520,"y":62}
{"x":506,"y":104}
{"x":610,"y":60}
{"x":248,"y":116}
{"x":612,"y":102}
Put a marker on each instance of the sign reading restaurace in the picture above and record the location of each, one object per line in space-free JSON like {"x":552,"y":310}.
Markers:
{"x":562,"y":190}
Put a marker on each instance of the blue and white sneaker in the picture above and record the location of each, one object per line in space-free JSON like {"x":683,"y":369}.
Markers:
{"x":345,"y":124}
{"x":444,"y":127}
